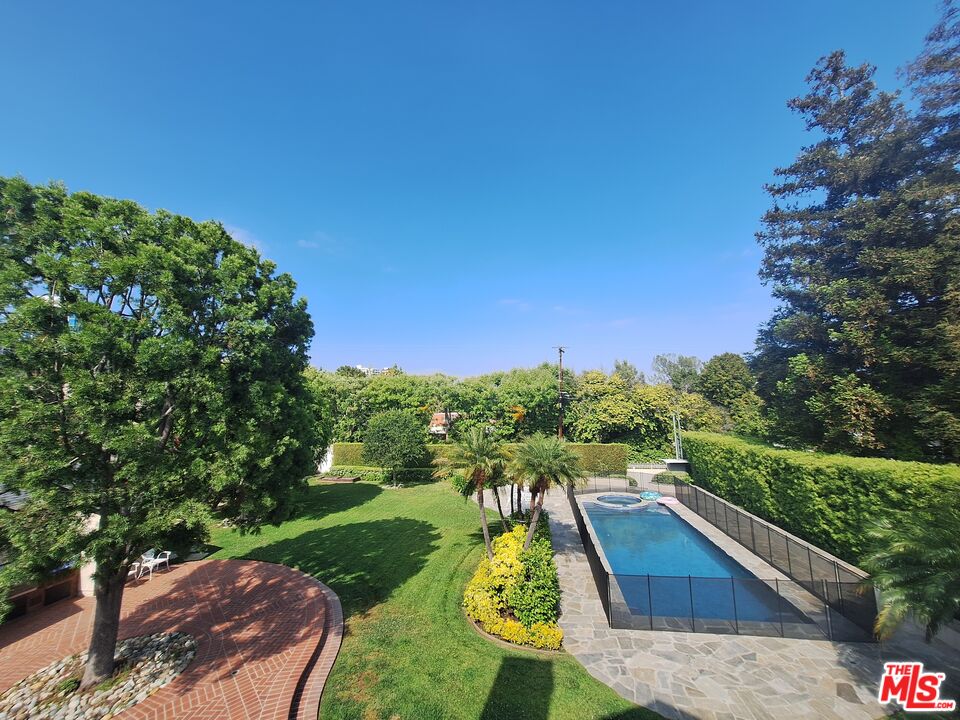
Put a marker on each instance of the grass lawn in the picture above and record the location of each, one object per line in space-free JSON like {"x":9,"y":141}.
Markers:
{"x":399,"y":560}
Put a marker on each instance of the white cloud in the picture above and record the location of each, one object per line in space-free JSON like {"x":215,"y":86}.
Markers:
{"x":246,"y":237}
{"x":521,"y":305}
{"x":319,"y":241}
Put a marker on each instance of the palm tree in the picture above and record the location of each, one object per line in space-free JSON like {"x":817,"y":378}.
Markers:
{"x":916,"y":567}
{"x":479,"y":456}
{"x":544,"y":461}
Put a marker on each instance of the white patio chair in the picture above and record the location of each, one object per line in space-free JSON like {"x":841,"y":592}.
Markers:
{"x":151,"y":559}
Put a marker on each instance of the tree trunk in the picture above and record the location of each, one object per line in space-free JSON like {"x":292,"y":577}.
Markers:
{"x":503,"y":520}
{"x":483,"y":522}
{"x":106,"y":625}
{"x":520,"y":497}
{"x":511,"y":502}
{"x":533,"y":520}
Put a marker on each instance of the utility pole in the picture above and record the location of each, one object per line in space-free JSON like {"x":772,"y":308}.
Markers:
{"x":560,"y":350}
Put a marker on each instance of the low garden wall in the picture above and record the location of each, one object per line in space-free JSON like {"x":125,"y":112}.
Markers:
{"x":828,"y":500}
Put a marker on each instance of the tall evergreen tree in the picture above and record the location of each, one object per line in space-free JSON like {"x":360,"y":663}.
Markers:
{"x":151,"y":368}
{"x":863,"y":251}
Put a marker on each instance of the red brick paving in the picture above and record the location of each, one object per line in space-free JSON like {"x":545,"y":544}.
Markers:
{"x":266,"y":635}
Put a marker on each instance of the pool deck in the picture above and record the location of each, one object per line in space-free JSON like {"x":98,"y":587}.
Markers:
{"x":724,"y":677}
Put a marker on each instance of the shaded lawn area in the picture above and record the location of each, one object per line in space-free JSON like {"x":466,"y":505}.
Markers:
{"x":399,"y":560}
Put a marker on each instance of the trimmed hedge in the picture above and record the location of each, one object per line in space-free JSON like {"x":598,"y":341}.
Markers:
{"x":828,"y":500}
{"x":596,"y":458}
{"x":348,"y":453}
{"x":380,"y":475}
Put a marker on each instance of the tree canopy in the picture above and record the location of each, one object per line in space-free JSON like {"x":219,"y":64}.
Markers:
{"x":151,"y":369}
{"x":862,"y":248}
{"x":395,"y":439}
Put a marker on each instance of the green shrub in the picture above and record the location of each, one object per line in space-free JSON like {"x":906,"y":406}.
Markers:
{"x":671,"y":477}
{"x":514,"y":576}
{"x":348,"y":453}
{"x":381,"y":475}
{"x":536,"y":599}
{"x":828,"y":500}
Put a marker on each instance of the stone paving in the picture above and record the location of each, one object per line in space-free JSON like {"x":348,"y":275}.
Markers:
{"x":723,"y":677}
{"x":267,"y":637}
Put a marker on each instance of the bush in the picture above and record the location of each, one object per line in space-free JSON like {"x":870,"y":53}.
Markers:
{"x":516,"y":595}
{"x":671,"y":477}
{"x":828,"y":500}
{"x":382,"y":475}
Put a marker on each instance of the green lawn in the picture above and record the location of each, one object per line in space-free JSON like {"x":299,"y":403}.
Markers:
{"x":399,"y":560}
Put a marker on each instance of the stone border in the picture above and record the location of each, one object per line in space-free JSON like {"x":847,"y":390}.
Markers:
{"x":506,"y":644}
{"x":309,"y":690}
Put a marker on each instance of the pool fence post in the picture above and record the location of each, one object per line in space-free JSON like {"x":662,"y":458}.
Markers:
{"x":733,"y":590}
{"x":779,"y":606}
{"x":753,"y":538}
{"x":810,"y":561}
{"x":693,"y":617}
{"x":826,"y":609}
{"x":770,"y":547}
{"x":649,"y":601}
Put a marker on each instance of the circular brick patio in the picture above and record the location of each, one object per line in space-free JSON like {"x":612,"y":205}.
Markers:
{"x":266,"y":636}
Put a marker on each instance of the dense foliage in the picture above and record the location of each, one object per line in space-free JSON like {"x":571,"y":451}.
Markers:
{"x":862,"y":248}
{"x":152,"y":368}
{"x":516,"y":595}
{"x":832,"y":501}
{"x":916,"y":566}
{"x":618,"y":407}
{"x":395,"y":439}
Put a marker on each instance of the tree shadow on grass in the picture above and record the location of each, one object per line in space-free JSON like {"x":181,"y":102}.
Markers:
{"x":522,"y":689}
{"x":318,"y":501}
{"x":362,"y":562}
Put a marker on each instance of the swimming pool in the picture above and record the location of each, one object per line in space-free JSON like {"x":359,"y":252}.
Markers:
{"x":663,"y":567}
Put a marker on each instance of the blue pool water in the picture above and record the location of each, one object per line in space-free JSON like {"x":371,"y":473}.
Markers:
{"x":689,"y":575}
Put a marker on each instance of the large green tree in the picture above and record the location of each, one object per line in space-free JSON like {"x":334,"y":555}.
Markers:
{"x":151,"y":368}
{"x":862,"y":248}
{"x":679,"y":371}
{"x":395,"y":439}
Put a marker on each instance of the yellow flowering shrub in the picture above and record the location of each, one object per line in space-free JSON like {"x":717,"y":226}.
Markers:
{"x":485,"y":598}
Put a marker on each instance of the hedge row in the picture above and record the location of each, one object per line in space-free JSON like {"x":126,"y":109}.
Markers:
{"x":828,"y":500}
{"x":376,"y":474}
{"x":596,"y":458}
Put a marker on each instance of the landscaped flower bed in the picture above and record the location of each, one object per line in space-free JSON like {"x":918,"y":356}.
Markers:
{"x":516,"y":596}
{"x":144,"y":665}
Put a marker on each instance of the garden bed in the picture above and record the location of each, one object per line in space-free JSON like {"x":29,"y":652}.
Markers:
{"x":144,"y":665}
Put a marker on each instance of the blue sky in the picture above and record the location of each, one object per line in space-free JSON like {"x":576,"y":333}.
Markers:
{"x":455,"y":186}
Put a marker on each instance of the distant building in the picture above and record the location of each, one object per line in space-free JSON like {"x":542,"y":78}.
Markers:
{"x":371,"y":372}
{"x":441,"y":422}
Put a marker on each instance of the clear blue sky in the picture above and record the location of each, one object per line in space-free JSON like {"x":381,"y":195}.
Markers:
{"x":455,"y":186}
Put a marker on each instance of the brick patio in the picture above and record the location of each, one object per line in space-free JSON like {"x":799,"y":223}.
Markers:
{"x":266,"y":636}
